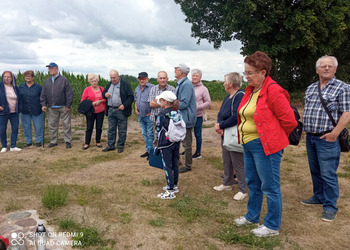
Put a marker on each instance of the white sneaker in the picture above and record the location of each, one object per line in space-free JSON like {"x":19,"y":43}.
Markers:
{"x":222,"y":188}
{"x":243,"y":221}
{"x":167,"y":195}
{"x":263,"y":231}
{"x":15,"y":149}
{"x":3,"y":150}
{"x":240,"y":196}
{"x":176,"y":189}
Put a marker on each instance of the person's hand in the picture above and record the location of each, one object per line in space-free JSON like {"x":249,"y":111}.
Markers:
{"x":67,"y":109}
{"x":43,"y":108}
{"x":121,"y":107}
{"x":330,"y":137}
{"x":1,"y":108}
{"x":217,"y":127}
{"x":108,"y":95}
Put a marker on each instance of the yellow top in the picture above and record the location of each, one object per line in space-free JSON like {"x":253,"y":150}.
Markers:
{"x":247,"y":128}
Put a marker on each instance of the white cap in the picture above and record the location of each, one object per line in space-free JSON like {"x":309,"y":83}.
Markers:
{"x":167,"y":95}
{"x":184,"y":68}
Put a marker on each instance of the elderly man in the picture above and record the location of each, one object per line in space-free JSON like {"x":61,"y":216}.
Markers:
{"x":322,"y":143}
{"x":58,"y":94}
{"x":163,"y":85}
{"x":203,"y":102}
{"x":120,"y":97}
{"x":143,"y":111}
{"x":188,"y":108}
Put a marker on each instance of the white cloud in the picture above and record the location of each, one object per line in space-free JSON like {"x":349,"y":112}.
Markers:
{"x":95,"y":36}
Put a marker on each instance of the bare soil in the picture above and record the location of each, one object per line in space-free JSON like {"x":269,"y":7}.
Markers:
{"x":126,"y":203}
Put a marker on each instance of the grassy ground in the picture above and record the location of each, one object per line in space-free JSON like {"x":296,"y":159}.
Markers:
{"x":112,"y":198}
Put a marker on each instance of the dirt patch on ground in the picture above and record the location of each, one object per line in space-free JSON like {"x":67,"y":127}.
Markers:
{"x":117,"y":194}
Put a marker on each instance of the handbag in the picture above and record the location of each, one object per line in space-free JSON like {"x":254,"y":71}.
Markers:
{"x":344,"y":139}
{"x":155,"y":158}
{"x":230,"y":141}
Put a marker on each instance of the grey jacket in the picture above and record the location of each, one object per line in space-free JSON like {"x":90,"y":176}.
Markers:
{"x":59,"y":93}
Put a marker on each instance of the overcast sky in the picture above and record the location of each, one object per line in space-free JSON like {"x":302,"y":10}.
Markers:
{"x":92,"y":36}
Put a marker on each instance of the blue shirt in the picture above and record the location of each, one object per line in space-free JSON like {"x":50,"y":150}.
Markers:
{"x":30,"y":98}
{"x":336,"y":95}
{"x":141,"y":98}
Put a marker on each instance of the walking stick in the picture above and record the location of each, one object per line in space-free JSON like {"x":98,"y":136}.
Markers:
{"x":44,"y":132}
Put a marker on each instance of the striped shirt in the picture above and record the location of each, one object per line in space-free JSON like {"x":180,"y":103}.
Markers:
{"x":336,"y":95}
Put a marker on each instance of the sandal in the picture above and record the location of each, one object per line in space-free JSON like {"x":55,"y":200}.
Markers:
{"x":85,"y":147}
{"x":98,"y":145}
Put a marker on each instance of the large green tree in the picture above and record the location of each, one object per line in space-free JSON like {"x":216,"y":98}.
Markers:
{"x":294,"y":33}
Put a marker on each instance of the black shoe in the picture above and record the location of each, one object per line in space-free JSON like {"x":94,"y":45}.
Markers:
{"x":38,"y":144}
{"x":28,"y":145}
{"x":120,"y":150}
{"x":196,"y":156}
{"x":184,"y":170}
{"x":98,"y":145}
{"x":51,"y":145}
{"x":145,"y":155}
{"x":68,"y":145}
{"x":85,"y":147}
{"x":107,"y":149}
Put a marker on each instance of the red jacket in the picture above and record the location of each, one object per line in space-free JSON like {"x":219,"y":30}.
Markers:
{"x":274,"y":118}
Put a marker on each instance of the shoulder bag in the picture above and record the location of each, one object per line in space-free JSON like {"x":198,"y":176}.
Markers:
{"x":344,"y":139}
{"x":230,"y":142}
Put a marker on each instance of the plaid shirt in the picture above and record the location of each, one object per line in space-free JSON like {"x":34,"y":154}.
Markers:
{"x":156,"y":91}
{"x":336,"y":95}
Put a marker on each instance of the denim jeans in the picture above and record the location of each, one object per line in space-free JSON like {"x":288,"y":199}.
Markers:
{"x":198,"y":134}
{"x":147,"y":131}
{"x":117,"y":120}
{"x":38,"y":122}
{"x":263,"y":178}
{"x":323,"y":162}
{"x":14,"y":120}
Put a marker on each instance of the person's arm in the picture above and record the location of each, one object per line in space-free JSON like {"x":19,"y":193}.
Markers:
{"x":206,"y":100}
{"x":185,"y":95}
{"x":69,"y":95}
{"x":342,"y":123}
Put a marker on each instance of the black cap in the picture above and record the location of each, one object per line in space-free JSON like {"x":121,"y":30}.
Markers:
{"x":143,"y":75}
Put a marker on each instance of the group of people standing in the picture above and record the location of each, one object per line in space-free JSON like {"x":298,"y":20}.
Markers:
{"x":264,"y":120}
{"x":29,"y":100}
{"x":262,"y":114}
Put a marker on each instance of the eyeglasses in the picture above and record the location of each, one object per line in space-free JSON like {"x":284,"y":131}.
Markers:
{"x":249,"y":73}
{"x":326,"y":66}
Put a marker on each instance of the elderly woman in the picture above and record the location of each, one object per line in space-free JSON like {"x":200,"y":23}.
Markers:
{"x":264,"y":123}
{"x":29,"y":92}
{"x":203,"y":102}
{"x":227,"y":117}
{"x":9,"y":110}
{"x":94,"y":94}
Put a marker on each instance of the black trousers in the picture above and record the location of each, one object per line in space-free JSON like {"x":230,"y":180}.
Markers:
{"x":170,"y":157}
{"x":90,"y":121}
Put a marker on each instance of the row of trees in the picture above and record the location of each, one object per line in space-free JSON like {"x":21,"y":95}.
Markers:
{"x":294,"y":33}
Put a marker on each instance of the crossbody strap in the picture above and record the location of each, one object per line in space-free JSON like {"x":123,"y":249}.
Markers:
{"x":325,"y":106}
{"x":233,"y":100}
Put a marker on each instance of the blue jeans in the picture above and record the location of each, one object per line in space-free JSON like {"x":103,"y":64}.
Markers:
{"x":198,"y":134}
{"x":117,"y":120}
{"x":323,"y":162}
{"x":147,"y":131}
{"x":14,"y":120}
{"x":38,"y":122}
{"x":263,"y":178}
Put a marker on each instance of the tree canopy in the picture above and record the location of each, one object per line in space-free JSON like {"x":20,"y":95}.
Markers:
{"x":294,"y":33}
